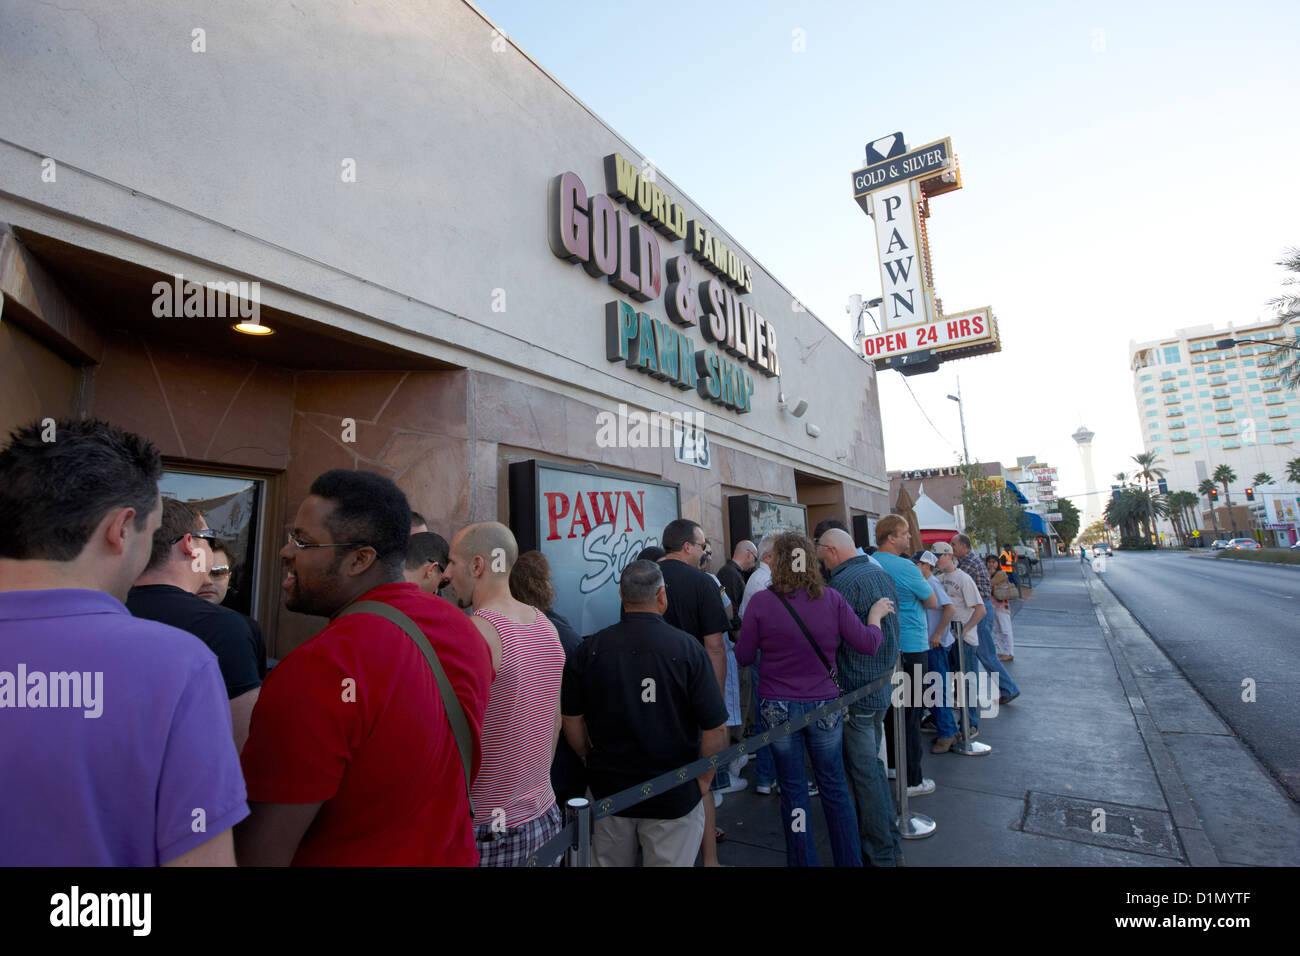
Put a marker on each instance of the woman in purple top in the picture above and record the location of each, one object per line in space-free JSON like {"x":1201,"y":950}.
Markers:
{"x":793,"y":680}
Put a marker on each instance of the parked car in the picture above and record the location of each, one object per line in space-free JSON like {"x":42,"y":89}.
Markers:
{"x":1243,"y":544}
{"x":1219,"y":545}
{"x":1296,"y":546}
{"x":1101,"y":548}
{"x":1026,"y":552}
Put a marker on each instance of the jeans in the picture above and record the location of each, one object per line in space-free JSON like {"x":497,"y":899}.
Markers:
{"x":944,"y":721}
{"x":882,"y":845}
{"x":765,"y":776}
{"x":988,"y":654}
{"x":911,"y":717}
{"x":825,"y":739}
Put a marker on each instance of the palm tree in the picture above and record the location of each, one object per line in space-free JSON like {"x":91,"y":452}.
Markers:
{"x":1206,"y":487}
{"x":1149,"y":473}
{"x":1263,"y":478}
{"x":1150,"y":507}
{"x":1288,"y":307}
{"x":1180,"y":503}
{"x":1293,"y":470}
{"x":1224,"y":474}
{"x":1188,"y":501}
{"x":1122,"y":478}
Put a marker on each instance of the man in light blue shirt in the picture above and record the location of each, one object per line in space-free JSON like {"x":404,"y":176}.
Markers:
{"x":893,"y":541}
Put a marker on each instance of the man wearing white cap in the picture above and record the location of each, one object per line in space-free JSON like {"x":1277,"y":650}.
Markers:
{"x":967,"y":607}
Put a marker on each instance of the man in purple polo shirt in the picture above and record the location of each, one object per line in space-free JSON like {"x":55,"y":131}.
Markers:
{"x":115,"y":734}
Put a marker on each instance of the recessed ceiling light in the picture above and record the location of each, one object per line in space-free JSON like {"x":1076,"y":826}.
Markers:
{"x":253,"y":328}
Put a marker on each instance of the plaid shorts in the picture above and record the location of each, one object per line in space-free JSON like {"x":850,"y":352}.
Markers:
{"x":511,"y":847}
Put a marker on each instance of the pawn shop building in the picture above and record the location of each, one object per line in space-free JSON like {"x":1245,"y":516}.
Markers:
{"x":380,"y":236}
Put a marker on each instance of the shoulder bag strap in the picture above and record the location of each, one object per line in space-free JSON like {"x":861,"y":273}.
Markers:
{"x":450,"y":703}
{"x":835,"y":679}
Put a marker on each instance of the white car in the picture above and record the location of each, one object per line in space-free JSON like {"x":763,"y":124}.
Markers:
{"x":1219,"y":545}
{"x":1243,"y":544}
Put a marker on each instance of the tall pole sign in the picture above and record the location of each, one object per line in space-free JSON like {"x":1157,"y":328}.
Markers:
{"x":895,"y":189}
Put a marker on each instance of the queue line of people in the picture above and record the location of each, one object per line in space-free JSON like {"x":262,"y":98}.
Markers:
{"x":413,"y":729}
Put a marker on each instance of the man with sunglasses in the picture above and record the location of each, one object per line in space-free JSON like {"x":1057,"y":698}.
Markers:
{"x":217,"y":586}
{"x":179,"y":564}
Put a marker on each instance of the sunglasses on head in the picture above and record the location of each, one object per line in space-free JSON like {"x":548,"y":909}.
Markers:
{"x":207,"y":534}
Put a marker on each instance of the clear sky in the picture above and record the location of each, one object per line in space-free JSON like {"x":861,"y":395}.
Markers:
{"x":1128,"y":169}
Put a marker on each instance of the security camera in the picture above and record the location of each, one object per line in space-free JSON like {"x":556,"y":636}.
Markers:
{"x":795,"y":408}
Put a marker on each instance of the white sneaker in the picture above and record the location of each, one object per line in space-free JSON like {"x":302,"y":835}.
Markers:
{"x":717,"y":799}
{"x":737,"y":784}
{"x":738,"y":764}
{"x":926,"y":786}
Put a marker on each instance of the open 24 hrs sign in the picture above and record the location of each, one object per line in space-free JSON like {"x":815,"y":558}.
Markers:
{"x":960,"y":330}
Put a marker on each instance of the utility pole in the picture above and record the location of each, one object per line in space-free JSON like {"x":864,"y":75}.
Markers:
{"x":961,"y":412}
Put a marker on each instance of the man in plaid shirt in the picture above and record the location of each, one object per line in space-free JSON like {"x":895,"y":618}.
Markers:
{"x":863,"y":584}
{"x":987,"y":653}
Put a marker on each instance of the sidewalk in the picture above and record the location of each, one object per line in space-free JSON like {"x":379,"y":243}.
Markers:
{"x":1104,"y":723}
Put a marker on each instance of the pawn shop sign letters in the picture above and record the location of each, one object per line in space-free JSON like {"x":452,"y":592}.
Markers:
{"x":895,"y":189}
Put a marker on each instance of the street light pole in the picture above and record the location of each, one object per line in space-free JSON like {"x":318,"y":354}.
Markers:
{"x":1223,"y":344}
{"x":961,"y":413}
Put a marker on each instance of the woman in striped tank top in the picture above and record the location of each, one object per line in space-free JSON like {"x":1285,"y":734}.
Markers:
{"x":515,"y":812}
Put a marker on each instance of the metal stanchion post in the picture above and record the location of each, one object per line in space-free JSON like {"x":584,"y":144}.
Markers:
{"x":579,"y":809}
{"x":965,"y":746}
{"x":911,"y":826}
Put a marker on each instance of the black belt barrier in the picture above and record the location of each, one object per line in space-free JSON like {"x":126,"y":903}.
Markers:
{"x":616,"y":803}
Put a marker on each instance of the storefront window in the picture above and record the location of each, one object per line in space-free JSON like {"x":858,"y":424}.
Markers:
{"x":233,"y":508}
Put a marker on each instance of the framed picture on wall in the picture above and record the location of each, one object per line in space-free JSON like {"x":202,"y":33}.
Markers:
{"x":590,"y":524}
{"x":752,"y":516}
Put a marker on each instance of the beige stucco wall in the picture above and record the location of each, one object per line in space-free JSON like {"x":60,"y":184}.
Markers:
{"x":229,"y":163}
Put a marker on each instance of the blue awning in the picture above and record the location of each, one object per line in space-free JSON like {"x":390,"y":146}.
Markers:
{"x":1038,"y":524}
{"x":1016,"y":491}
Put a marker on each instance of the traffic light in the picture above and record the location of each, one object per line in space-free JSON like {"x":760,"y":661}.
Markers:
{"x":1250,"y":494}
{"x":1214,"y":494}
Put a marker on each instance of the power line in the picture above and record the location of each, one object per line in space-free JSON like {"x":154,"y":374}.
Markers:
{"x":927,"y":417}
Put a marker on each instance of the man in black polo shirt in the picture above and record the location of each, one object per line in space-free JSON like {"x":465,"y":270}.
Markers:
{"x":640,"y":699}
{"x":695,"y":606}
{"x":167,"y":591}
{"x":694,"y":601}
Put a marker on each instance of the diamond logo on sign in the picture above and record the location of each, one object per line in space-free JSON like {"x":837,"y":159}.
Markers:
{"x":886,"y":148}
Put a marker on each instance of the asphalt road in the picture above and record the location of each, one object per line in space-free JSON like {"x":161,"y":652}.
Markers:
{"x":1222,"y":622}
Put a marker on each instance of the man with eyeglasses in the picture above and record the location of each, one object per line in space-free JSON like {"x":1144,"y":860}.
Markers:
{"x":353,"y":759}
{"x":167,"y":591}
{"x":695,"y":606}
{"x":426,"y":561}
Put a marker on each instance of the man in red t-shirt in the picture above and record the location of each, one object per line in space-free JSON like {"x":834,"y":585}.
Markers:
{"x":350,"y":758}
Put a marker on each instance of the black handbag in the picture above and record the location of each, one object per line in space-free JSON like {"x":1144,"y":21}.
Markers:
{"x":835,"y":677}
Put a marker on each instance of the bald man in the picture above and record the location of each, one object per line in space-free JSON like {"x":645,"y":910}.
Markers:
{"x":515,"y":812}
{"x":862,"y":584}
